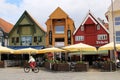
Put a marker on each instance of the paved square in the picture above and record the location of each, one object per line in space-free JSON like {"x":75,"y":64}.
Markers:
{"x":19,"y":74}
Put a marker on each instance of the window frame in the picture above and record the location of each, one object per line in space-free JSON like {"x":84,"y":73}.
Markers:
{"x":60,"y":32}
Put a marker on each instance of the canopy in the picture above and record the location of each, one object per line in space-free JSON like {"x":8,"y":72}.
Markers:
{"x":26,"y":51}
{"x":52,"y":49}
{"x":109,"y":46}
{"x":80,"y":47}
{"x":5,"y":50}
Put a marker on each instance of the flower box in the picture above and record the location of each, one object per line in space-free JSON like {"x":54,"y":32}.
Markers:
{"x":48,"y":65}
{"x":81,"y":66}
{"x":107,"y":66}
{"x":63,"y":67}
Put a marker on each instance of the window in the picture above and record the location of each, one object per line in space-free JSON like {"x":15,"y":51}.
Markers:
{"x":13,"y":39}
{"x":39,"y":39}
{"x":17,"y":39}
{"x":82,"y":28}
{"x":117,"y":21}
{"x":98,"y":27}
{"x":102,"y":37}
{"x":26,"y":40}
{"x":35,"y":39}
{"x":117,"y":36}
{"x":79,"y":38}
{"x":59,"y":29}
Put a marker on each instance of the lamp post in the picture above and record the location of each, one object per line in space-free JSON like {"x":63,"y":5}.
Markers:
{"x":114,"y":40}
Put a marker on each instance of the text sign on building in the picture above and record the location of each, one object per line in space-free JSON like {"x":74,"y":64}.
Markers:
{"x":101,"y":42}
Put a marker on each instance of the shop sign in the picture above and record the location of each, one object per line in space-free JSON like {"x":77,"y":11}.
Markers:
{"x":101,"y":42}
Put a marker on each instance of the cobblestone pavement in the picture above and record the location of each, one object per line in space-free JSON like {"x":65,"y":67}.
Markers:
{"x":19,"y":74}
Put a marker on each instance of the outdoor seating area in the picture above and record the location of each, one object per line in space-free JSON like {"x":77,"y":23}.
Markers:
{"x":64,"y":65}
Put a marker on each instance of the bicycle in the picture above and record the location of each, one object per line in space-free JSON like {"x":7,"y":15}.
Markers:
{"x":27,"y":69}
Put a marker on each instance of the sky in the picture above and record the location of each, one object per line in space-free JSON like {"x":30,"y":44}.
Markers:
{"x":11,"y":10}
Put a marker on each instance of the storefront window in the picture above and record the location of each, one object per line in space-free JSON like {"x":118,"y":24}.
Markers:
{"x":59,"y":29}
{"x":26,"y":40}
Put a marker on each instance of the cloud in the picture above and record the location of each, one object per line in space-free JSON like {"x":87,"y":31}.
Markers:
{"x":41,"y":9}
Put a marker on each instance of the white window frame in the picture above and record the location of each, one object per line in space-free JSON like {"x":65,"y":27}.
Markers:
{"x":102,"y":37}
{"x":82,"y":28}
{"x":79,"y":38}
{"x":98,"y":27}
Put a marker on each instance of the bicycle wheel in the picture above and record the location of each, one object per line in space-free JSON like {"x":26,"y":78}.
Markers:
{"x":26,"y":69}
{"x":36,"y":70}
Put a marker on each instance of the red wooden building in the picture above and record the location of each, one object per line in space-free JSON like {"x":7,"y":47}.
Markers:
{"x":92,"y":31}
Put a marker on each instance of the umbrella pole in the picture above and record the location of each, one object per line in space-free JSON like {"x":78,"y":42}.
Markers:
{"x":80,"y":56}
{"x":0,"y":56}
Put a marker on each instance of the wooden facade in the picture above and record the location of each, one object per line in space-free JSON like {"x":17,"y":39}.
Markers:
{"x":27,"y":32}
{"x":60,"y":28}
{"x":92,"y":31}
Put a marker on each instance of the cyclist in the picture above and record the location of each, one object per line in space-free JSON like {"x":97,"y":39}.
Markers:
{"x":32,"y":62}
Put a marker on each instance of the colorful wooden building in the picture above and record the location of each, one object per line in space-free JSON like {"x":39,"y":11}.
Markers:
{"x":27,"y":33}
{"x":60,"y":28}
{"x":5,"y":28}
{"x":94,"y":32}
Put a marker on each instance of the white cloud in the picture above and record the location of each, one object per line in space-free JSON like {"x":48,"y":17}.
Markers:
{"x":41,"y":9}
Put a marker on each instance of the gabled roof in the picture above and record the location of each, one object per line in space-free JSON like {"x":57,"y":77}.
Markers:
{"x":28,"y":15}
{"x":5,"y":26}
{"x":58,"y":12}
{"x":95,"y":20}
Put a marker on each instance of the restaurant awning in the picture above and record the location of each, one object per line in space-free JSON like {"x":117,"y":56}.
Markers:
{"x":22,"y":47}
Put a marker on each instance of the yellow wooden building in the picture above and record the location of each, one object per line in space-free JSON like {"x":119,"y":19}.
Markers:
{"x":60,"y":28}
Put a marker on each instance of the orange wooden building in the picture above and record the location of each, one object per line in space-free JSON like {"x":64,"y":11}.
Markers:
{"x":60,"y":28}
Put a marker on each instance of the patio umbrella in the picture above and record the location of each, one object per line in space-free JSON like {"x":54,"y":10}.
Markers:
{"x":109,"y":46}
{"x":26,"y":51}
{"x":5,"y":50}
{"x":80,"y":47}
{"x":52,"y":49}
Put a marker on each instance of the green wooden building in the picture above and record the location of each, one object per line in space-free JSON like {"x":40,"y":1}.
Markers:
{"x":27,"y":33}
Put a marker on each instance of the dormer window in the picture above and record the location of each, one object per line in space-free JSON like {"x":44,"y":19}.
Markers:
{"x":82,"y":28}
{"x":98,"y":27}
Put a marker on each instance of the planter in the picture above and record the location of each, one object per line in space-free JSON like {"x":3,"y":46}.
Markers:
{"x":108,"y":66}
{"x":2,"y":64}
{"x":55,"y":67}
{"x":81,"y":67}
{"x":63,"y":67}
{"x":48,"y":65}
